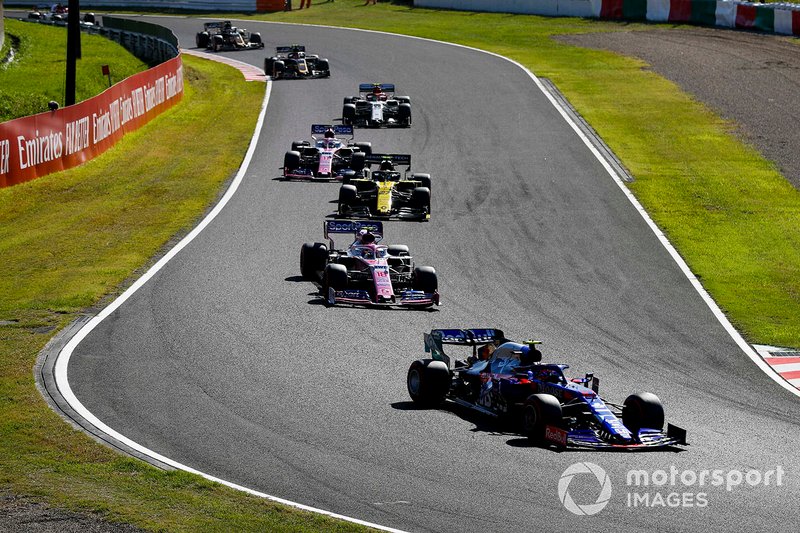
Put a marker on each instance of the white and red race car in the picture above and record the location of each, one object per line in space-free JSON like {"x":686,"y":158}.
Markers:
{"x":367,"y":273}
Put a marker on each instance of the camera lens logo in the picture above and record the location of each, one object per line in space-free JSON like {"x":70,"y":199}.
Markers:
{"x":602,"y":480}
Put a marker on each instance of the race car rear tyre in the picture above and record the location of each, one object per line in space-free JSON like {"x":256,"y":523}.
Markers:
{"x":291,"y":160}
{"x":348,"y":196}
{"x":424,"y":179}
{"x":201,"y":39}
{"x":313,"y":258}
{"x":365,"y":147}
{"x":334,"y":277}
{"x":540,"y":411}
{"x":404,"y":113}
{"x":397,"y":250}
{"x":421,"y":198}
{"x":428,"y":382}
{"x":642,"y":410}
{"x":425,"y":279}
{"x":298,"y":145}
{"x":358,"y":161}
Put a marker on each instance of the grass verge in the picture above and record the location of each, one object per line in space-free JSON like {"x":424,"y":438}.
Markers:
{"x":37,"y":74}
{"x":71,"y":238}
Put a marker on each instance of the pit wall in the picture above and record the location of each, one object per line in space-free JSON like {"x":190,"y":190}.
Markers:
{"x":233,"y":6}
{"x":774,"y":18}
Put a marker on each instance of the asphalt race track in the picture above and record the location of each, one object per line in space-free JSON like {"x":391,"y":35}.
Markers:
{"x":226,"y":361}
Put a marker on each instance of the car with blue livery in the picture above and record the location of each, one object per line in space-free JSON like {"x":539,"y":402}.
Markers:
{"x":367,"y":272}
{"x":501,"y":378}
{"x":328,"y":156}
{"x":376,"y":106}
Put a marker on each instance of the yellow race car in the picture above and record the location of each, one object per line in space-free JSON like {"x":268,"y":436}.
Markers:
{"x":387,"y":193}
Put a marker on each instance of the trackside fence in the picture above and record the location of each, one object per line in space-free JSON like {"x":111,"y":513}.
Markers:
{"x":781,"y":18}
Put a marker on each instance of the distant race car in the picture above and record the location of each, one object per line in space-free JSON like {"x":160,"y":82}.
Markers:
{"x":327,"y":157}
{"x":504,"y":378}
{"x":223,"y":35}
{"x":376,"y":105}
{"x":292,"y":62}
{"x":387,"y":193}
{"x":367,"y":273}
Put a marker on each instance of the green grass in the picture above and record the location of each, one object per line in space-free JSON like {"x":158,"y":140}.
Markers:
{"x":37,"y":74}
{"x":70,"y":239}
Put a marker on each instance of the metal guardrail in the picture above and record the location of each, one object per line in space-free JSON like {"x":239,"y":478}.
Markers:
{"x":149,"y":42}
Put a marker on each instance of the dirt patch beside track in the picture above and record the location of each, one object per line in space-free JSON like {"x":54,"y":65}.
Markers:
{"x":752,"y":79}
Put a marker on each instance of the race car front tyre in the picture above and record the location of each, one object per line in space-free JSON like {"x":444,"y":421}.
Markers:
{"x":255,"y":38}
{"x":365,"y":147}
{"x":425,"y":279}
{"x":323,"y":67}
{"x":423,"y":179}
{"x":299,"y":145}
{"x":201,"y":39}
{"x":348,"y":113}
{"x":428,"y":382}
{"x":404,"y":112}
{"x":334,"y":277}
{"x":398,"y":250}
{"x":403,"y":99}
{"x":348,"y":196}
{"x":313,"y":258}
{"x":291,"y":161}
{"x":540,"y":411}
{"x":642,"y":410}
{"x":277,"y":68}
{"x":421,"y":198}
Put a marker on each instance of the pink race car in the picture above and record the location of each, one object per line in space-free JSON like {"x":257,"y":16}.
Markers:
{"x":367,"y":273}
{"x":327,"y":157}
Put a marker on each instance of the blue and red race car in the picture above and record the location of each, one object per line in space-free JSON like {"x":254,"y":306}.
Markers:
{"x":367,"y":273}
{"x":504,"y":378}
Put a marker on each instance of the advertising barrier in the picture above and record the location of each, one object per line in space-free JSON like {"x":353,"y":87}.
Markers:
{"x":37,"y":145}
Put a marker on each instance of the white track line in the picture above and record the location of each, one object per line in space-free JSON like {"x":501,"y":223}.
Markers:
{"x":64,"y":356}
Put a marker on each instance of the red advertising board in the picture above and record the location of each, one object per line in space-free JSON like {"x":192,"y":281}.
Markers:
{"x":31,"y":147}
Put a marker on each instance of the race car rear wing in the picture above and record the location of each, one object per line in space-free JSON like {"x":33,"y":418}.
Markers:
{"x":437,"y":338}
{"x":338,"y":129}
{"x":397,"y":159}
{"x":367,"y":87}
{"x":291,"y":48}
{"x":353,"y":227}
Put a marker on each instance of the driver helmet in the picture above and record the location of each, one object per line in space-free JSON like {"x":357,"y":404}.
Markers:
{"x":387,"y":165}
{"x":377,"y":90}
{"x":366,"y":237}
{"x":329,"y":133}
